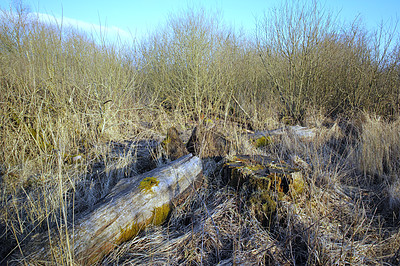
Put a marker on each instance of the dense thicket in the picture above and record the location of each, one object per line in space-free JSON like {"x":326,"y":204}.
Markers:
{"x":300,"y":60}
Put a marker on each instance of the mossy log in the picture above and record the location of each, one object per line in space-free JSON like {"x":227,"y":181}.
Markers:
{"x":266,"y":137}
{"x":264,"y":181}
{"x":132,"y":204}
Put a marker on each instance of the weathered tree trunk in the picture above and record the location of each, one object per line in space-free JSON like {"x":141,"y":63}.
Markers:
{"x":266,"y":137}
{"x":298,"y":131}
{"x":133,"y":204}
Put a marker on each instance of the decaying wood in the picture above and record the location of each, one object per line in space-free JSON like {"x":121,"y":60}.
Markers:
{"x":146,"y":199}
{"x":263,"y":181}
{"x":207,"y":142}
{"x":298,"y":131}
{"x":263,"y":172}
{"x":133,"y":204}
{"x":173,"y":145}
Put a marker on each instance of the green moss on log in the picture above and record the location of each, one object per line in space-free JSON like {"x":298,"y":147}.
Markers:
{"x":263,"y":142}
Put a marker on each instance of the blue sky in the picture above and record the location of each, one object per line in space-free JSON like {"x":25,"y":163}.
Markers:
{"x":136,"y":17}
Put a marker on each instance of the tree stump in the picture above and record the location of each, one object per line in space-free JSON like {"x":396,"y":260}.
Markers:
{"x":173,"y":145}
{"x":207,"y":142}
{"x":264,"y":181}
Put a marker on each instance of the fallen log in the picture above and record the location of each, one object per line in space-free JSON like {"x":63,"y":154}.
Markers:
{"x":263,"y":138}
{"x":132,"y":204}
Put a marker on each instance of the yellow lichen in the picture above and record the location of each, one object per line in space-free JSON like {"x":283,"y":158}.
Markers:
{"x":297,"y":185}
{"x":159,"y":215}
{"x":262,"y":142}
{"x":130,"y":232}
{"x":148,"y":183}
{"x":255,"y":167}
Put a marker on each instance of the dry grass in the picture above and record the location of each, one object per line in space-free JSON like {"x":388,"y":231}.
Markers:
{"x":338,"y":220}
{"x":77,"y":116}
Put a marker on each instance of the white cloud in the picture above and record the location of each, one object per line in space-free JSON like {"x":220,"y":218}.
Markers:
{"x":108,"y":32}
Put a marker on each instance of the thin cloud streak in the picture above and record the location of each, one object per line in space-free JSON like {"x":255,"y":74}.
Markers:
{"x":112,"y":33}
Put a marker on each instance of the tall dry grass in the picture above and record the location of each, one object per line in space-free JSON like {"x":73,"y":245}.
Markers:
{"x":63,"y":97}
{"x":69,"y":102}
{"x":379,"y":150}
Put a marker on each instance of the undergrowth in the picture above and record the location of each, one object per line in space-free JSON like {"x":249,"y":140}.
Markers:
{"x":77,"y":115}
